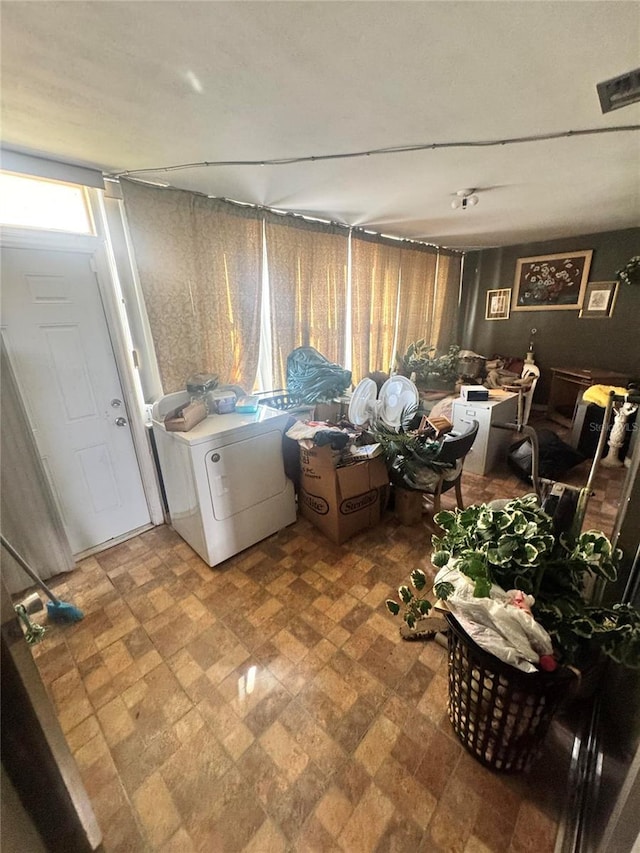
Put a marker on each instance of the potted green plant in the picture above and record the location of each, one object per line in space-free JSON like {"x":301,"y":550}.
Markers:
{"x":515,"y":548}
{"x":500,"y":713}
{"x":431,"y":370}
{"x":630,"y":272}
{"x":407,"y":452}
{"x":412,"y":463}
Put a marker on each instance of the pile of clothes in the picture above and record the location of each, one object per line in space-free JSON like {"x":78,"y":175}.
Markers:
{"x":506,"y":373}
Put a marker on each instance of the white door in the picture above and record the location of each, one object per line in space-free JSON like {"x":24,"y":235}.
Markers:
{"x":56,"y":334}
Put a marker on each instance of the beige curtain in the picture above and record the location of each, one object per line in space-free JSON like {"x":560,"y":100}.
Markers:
{"x":375,"y":274}
{"x":307,"y":265}
{"x":447,"y":300}
{"x":417,"y":290}
{"x":228,"y":245}
{"x":199,"y":261}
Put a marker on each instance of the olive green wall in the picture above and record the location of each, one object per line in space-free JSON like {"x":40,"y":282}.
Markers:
{"x":562,"y":339}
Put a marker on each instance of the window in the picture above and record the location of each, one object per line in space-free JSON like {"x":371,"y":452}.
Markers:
{"x":49,"y":205}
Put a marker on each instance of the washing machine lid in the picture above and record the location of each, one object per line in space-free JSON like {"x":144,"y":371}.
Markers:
{"x":218,"y":429}
{"x":397,"y":394}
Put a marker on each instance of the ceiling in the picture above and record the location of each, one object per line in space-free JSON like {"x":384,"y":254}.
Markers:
{"x":140,"y":85}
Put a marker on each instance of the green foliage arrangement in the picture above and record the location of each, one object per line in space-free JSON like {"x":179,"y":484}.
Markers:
{"x":515,"y":547}
{"x":422,"y":359}
{"x":406,"y":451}
{"x":630,"y":272}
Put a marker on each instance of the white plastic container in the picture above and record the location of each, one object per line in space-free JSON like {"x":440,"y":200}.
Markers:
{"x":222,"y":402}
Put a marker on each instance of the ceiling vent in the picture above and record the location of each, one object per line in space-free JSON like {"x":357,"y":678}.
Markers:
{"x":619,"y":91}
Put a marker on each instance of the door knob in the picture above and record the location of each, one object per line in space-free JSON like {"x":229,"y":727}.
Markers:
{"x":121,"y":422}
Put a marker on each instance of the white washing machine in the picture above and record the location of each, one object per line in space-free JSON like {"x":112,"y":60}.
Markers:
{"x":224,"y":479}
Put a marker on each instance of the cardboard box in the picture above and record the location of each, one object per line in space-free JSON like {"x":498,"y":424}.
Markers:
{"x":341,"y":501}
{"x":328,"y":412}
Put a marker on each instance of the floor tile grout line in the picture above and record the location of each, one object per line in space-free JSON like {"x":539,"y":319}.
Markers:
{"x":192,"y":589}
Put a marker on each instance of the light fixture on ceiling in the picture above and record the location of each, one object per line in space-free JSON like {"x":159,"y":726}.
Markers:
{"x":464,"y":199}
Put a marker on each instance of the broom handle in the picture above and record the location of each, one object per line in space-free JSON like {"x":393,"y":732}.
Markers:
{"x":23,"y":563}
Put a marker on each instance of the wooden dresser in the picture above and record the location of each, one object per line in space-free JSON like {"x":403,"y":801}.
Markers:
{"x":568,"y":385}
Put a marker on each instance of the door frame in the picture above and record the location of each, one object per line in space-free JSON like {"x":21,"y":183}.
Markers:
{"x":97,"y":248}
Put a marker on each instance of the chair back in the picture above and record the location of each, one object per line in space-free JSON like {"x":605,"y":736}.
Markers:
{"x":456,"y":447}
{"x":529,"y":370}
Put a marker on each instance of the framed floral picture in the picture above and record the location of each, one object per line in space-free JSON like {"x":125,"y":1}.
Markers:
{"x":551,"y":282}
{"x":599,"y":299}
{"x":498,"y":304}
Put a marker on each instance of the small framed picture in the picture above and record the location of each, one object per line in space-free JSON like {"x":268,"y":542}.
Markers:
{"x":599,"y":299}
{"x":498,"y":304}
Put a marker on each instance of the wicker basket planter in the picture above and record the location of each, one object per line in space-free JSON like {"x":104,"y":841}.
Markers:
{"x":500,"y":714}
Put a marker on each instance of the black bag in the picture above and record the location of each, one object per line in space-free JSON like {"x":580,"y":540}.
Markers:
{"x":555,"y":456}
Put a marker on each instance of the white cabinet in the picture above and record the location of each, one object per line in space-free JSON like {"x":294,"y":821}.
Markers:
{"x":490,"y":446}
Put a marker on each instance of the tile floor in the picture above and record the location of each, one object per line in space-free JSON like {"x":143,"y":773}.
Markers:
{"x":270,"y":705}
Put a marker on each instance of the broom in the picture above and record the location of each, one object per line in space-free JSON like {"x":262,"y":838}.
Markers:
{"x":34,"y":632}
{"x":58,"y":611}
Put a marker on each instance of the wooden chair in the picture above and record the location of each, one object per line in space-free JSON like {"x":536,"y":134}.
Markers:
{"x":454,"y":448}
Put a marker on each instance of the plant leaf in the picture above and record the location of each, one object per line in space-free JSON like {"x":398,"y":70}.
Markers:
{"x":473,"y":565}
{"x":418,"y":579}
{"x":444,"y":589}
{"x":410,"y":619}
{"x":405,"y":594}
{"x":482,"y":588}
{"x":506,"y":547}
{"x":446,"y":519}
{"x":392,"y":606}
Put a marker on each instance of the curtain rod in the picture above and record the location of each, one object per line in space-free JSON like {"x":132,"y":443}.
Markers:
{"x":292,"y":214}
